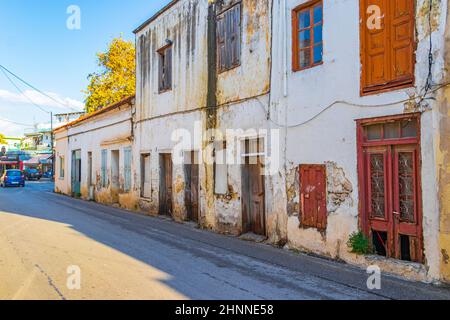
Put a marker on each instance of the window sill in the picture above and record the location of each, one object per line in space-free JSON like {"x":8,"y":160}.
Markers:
{"x":387,"y":88}
{"x":227,"y":69}
{"x":164,"y":91}
{"x":307,"y":68}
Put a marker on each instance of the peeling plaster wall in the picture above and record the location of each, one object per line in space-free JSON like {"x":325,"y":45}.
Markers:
{"x":255,"y":55}
{"x":110,"y":131}
{"x":159,"y":115}
{"x":330,"y":137}
{"x":62,"y":184}
{"x":185,"y":25}
{"x":443,"y":162}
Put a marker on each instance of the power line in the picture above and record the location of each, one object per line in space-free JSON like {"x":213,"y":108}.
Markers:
{"x":17,"y":123}
{"x":65,"y":105}
{"x":22,"y":93}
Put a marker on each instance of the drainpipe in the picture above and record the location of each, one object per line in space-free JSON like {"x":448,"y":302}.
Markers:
{"x":285,"y":50}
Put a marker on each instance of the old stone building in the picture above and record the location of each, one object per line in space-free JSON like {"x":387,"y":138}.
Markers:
{"x":300,"y":122}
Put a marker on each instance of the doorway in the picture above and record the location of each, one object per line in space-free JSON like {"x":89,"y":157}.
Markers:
{"x":191,"y":195}
{"x":76,"y":173}
{"x":115,"y":180}
{"x":389,"y":170}
{"x":165,"y":184}
{"x":89,"y":177}
{"x":253,"y":190}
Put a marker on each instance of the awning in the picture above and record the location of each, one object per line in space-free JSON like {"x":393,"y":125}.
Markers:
{"x":39,"y":159}
{"x":8,"y":162}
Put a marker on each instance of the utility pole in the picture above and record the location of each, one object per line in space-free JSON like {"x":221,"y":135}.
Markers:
{"x":52,"y":145}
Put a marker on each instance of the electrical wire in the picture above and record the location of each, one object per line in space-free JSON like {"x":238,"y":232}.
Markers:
{"x":421,"y":98}
{"x":65,"y":105}
{"x":17,"y":123}
{"x":22,"y":93}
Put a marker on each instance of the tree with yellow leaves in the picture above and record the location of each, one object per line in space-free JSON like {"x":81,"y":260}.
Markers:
{"x":2,"y":139}
{"x":116,"y":78}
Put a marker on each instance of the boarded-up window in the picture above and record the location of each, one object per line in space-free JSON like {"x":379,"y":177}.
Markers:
{"x":220,"y":168}
{"x":313,"y":206}
{"x":387,"y":44}
{"x":165,"y":68}
{"x":307,"y":35}
{"x":146,"y":188}
{"x":127,"y":169}
{"x":229,"y":38}
{"x":104,"y":170}
{"x":61,"y":167}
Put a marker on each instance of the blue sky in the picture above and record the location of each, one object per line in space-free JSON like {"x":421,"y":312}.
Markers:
{"x":36,"y":44}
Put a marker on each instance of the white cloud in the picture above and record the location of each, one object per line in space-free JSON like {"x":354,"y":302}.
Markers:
{"x":41,"y":100}
{"x":11,"y":129}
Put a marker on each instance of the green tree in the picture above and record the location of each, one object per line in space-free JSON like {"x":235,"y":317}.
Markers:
{"x":116,"y":78}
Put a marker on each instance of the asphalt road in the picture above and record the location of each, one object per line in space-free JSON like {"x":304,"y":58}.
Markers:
{"x":121,"y":255}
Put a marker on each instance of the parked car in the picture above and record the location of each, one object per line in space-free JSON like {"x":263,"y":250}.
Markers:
{"x":33,"y":174}
{"x":12,"y":178}
{"x":47,"y":174}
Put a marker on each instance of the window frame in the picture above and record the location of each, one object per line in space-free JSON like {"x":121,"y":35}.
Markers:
{"x":392,"y":85}
{"x":162,"y":57}
{"x":143,"y":174}
{"x":227,"y":38}
{"x":104,"y":168}
{"x":310,"y":5}
{"x":127,"y":168}
{"x":62,"y":171}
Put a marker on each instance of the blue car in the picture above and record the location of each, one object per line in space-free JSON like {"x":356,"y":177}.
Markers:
{"x":12,"y":178}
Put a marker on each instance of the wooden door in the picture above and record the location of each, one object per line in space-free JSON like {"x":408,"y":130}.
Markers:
{"x":313,"y":194}
{"x":378,"y":168}
{"x":389,"y":178}
{"x":253,"y":199}
{"x":406,"y":204}
{"x":76,"y":173}
{"x":165,"y":188}
{"x":191,"y":195}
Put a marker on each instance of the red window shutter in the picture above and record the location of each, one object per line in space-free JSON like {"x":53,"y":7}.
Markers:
{"x":402,"y":39}
{"x":313,"y":193}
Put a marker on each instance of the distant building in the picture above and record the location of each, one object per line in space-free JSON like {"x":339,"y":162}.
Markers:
{"x":13,"y":143}
{"x":62,"y":119}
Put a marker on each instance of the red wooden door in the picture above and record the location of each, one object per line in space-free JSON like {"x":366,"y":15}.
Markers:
{"x":389,"y":179}
{"x":406,"y":204}
{"x":313,"y":196}
{"x":378,"y":204}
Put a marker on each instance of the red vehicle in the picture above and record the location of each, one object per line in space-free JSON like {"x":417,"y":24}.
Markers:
{"x":10,"y":163}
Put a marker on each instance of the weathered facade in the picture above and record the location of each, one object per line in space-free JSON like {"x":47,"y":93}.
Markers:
{"x":327,"y":118}
{"x":203,"y":102}
{"x":302,"y":122}
{"x":94,"y":156}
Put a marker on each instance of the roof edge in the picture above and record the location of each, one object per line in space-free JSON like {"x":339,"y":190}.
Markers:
{"x":156,"y":15}
{"x":125,"y":101}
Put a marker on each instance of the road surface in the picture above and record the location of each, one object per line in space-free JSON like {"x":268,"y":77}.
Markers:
{"x":48,"y":240}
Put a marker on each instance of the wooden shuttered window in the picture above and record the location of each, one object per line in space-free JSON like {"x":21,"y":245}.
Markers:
{"x":313,"y":194}
{"x":387,"y":44}
{"x":229,"y":38}
{"x":165,"y":68}
{"x":104,"y":170}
